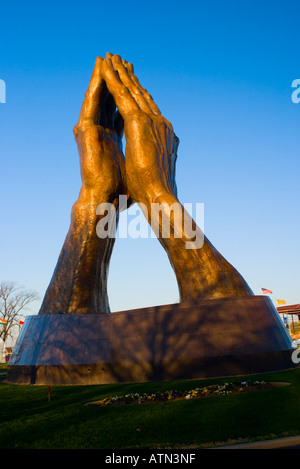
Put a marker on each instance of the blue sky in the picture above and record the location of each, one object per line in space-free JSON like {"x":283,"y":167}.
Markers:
{"x":221,"y":72}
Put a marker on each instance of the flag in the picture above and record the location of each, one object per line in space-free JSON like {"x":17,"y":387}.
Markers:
{"x":265,"y":291}
{"x":281,"y":302}
{"x":21,"y":322}
{"x":3,"y":321}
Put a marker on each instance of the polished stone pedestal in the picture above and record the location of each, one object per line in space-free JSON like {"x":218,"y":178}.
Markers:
{"x":211,"y":338}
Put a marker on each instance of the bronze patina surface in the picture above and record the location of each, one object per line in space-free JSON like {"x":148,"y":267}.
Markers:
{"x":146,"y":176}
{"x":218,"y":327}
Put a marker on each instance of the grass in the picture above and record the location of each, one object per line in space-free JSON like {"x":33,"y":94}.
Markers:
{"x":29,"y":421}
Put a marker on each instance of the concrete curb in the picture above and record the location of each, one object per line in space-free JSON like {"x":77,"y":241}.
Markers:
{"x":280,"y":443}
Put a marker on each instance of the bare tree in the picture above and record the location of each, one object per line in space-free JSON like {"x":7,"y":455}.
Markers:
{"x":13,"y":300}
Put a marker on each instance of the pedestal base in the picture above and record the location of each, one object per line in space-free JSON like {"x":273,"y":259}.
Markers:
{"x":212,"y":338}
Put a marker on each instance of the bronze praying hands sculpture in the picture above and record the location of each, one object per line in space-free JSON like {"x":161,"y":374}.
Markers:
{"x":114,"y":103}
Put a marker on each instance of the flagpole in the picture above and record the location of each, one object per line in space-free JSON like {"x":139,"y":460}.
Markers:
{"x":2,"y":348}
{"x":2,"y":351}
{"x":20,"y":325}
{"x":4,"y":328}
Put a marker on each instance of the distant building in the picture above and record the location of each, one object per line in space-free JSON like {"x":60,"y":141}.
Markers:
{"x":290,"y":314}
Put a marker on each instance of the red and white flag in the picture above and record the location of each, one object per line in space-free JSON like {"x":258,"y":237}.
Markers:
{"x":265,"y":291}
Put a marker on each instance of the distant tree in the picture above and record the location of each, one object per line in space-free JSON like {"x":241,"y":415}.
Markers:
{"x":13,"y":300}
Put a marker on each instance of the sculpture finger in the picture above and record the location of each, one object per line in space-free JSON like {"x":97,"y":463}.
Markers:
{"x":154,"y":108}
{"x":128,"y":65}
{"x":127,"y":80}
{"x":91,"y":105}
{"x":122,"y":96}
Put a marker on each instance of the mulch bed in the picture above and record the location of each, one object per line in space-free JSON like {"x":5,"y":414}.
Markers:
{"x":197,"y":393}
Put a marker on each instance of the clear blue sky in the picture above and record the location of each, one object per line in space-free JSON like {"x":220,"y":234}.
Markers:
{"x":220,"y":71}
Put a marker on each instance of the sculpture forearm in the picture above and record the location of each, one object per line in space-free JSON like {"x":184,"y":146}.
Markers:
{"x":79,"y":281}
{"x":201,"y":271}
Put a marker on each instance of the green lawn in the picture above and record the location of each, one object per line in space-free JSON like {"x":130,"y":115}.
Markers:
{"x":29,"y":421}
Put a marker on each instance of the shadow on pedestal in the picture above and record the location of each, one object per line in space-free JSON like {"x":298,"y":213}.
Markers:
{"x":212,"y":338}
